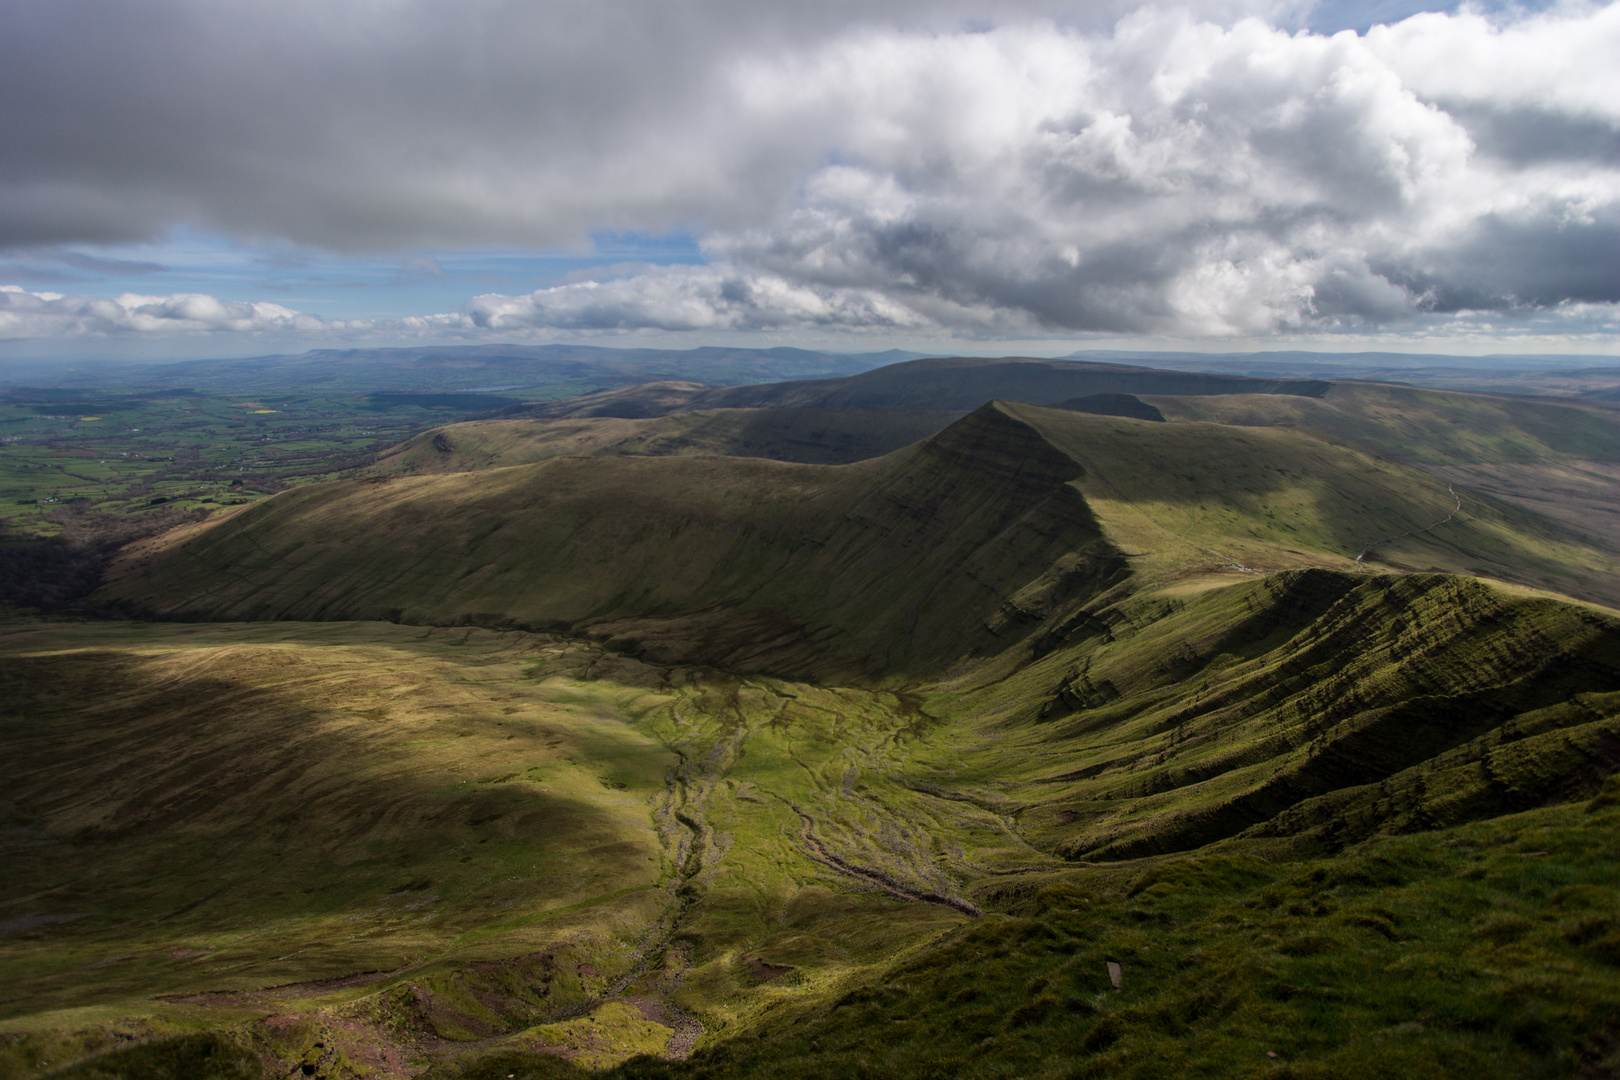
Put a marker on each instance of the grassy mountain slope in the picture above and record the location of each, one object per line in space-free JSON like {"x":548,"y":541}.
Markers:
{"x":504,"y":830}
{"x":1192,"y":496}
{"x":1348,"y":940}
{"x":839,"y":770}
{"x":404,"y":842}
{"x":1313,"y":706}
{"x":1560,"y":460}
{"x":901,"y":564}
{"x":905,"y":564}
{"x":1484,"y":951}
{"x":807,"y":436}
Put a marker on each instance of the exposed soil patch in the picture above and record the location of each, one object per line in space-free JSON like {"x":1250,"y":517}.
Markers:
{"x":821,"y":854}
{"x":270,"y":993}
{"x":660,"y":1011}
{"x":764,"y":971}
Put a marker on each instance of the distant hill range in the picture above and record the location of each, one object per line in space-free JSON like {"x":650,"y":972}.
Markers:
{"x":569,"y":369}
{"x":954,"y":384}
{"x":1586,"y":378}
{"x":545,"y":372}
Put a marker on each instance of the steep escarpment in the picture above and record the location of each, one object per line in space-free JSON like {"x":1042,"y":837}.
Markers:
{"x":903,"y":564}
{"x":1316,"y":706}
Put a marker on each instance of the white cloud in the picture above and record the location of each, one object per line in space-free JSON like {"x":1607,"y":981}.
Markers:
{"x":1181,"y":171}
{"x":1561,"y":61}
{"x":1176,"y":176}
{"x":692,"y":298}
{"x":25,"y":315}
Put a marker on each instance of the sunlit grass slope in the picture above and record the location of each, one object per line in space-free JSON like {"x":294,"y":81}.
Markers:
{"x":808,"y":436}
{"x":1188,"y":495}
{"x":1438,"y":427}
{"x":382,"y":844}
{"x":241,"y":807}
{"x":1560,"y":460}
{"x":1328,"y":826}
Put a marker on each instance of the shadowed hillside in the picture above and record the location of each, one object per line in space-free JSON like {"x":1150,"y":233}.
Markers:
{"x":902,"y":564}
{"x":956,"y":547}
{"x":1321,"y":707}
{"x":806,"y":436}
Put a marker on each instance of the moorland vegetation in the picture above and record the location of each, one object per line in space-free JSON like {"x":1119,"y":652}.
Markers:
{"x":843,"y":729}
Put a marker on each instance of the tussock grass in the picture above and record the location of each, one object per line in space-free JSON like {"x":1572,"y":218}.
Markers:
{"x":1485,"y":950}
{"x":194,"y":1057}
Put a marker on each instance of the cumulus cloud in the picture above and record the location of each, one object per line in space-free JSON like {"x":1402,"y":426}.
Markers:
{"x":693,"y":298}
{"x":1174,"y":176}
{"x":26,"y":315}
{"x":1195,"y":170}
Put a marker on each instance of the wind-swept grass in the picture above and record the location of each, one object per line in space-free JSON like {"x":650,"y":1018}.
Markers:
{"x":1488,"y":950}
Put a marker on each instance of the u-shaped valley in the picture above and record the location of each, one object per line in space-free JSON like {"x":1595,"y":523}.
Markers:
{"x":959,"y":718}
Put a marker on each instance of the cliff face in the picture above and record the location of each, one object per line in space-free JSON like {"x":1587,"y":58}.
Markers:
{"x":1320,"y":709}
{"x":898,"y":566}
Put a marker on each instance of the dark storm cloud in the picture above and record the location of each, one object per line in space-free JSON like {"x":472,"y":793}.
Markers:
{"x":1506,"y":263}
{"x":398,"y":124}
{"x":895,"y":166}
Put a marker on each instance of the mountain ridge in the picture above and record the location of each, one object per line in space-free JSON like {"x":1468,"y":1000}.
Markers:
{"x":1053,"y":743}
{"x":792,"y":554}
{"x":776,"y":550}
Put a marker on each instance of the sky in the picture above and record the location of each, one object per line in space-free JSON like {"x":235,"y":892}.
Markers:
{"x":188,"y":178}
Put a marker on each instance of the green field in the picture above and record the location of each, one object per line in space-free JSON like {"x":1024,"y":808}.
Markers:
{"x":93,"y":452}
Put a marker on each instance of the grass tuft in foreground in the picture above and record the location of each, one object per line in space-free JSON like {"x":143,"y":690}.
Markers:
{"x":193,"y":1057}
{"x":1492,"y":949}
